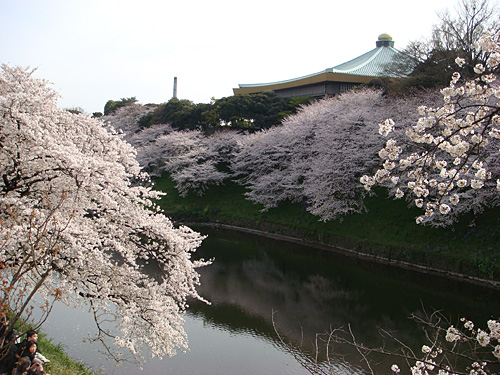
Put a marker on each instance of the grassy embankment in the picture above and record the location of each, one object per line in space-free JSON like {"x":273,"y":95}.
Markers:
{"x":60,"y":362}
{"x":387,"y":230}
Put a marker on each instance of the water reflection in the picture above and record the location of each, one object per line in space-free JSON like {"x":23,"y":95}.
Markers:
{"x":308,"y":290}
{"x":311,"y":290}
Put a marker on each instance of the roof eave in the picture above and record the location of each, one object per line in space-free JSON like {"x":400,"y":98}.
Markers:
{"x":306,"y":81}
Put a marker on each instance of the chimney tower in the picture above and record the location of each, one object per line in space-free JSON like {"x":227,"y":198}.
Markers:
{"x":175,"y":87}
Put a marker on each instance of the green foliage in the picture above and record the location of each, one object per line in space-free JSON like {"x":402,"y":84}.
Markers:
{"x":255,"y":111}
{"x":177,"y":112}
{"x":261,"y":110}
{"x":210,"y":117}
{"x":181,"y":114}
{"x":146,"y":121}
{"x":486,"y":263}
{"x":109,"y":107}
{"x":252,"y":110}
{"x":112,"y":105}
{"x":434,"y":72}
{"x":298,"y":101}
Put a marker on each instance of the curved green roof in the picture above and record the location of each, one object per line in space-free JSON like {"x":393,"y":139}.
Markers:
{"x":370,"y":64}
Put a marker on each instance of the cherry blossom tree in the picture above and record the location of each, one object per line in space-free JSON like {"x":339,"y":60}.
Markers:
{"x":193,"y":160}
{"x":192,"y":164}
{"x":150,"y":146}
{"x":450,"y":162}
{"x":318,"y":155}
{"x":126,"y":118}
{"x":345,"y":147}
{"x":78,"y":224}
{"x":266,"y":163}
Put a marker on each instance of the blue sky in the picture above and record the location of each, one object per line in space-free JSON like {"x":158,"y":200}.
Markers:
{"x":96,"y":50}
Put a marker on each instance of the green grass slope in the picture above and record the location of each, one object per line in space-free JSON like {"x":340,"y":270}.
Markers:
{"x":60,"y":362}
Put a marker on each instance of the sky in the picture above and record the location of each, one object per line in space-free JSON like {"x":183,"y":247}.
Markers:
{"x":96,"y":50}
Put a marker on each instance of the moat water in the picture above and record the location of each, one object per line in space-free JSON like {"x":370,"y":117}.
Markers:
{"x":258,"y":286}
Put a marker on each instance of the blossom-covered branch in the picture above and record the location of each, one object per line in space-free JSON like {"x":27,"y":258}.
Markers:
{"x":450,"y":161}
{"x":78,"y":222}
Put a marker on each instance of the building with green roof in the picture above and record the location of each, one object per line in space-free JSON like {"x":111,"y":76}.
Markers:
{"x":333,"y":81}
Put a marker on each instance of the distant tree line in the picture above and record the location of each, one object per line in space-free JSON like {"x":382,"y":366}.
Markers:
{"x":247,"y":111}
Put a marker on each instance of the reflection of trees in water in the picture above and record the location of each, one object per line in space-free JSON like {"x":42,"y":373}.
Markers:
{"x":311,"y":291}
{"x":245,"y":295}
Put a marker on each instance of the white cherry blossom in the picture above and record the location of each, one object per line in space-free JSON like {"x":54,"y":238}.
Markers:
{"x":78,"y":222}
{"x":462,"y":132}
